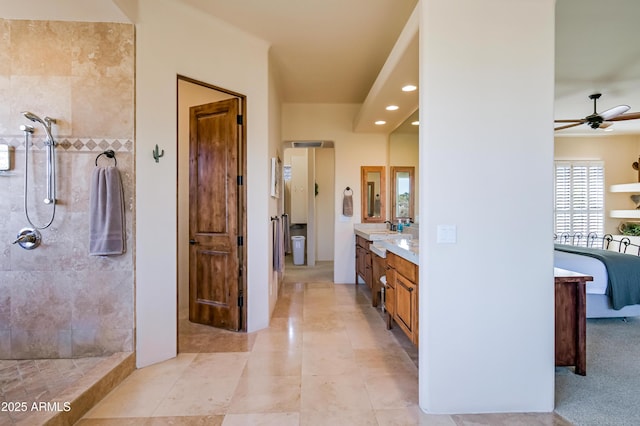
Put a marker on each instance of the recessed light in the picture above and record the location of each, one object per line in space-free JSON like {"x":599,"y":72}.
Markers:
{"x":409,"y":88}
{"x":380,"y":122}
{"x":392,"y":107}
{"x":415,"y":123}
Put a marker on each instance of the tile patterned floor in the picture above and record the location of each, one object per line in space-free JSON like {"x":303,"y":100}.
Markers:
{"x":29,"y":381}
{"x":326,"y":359}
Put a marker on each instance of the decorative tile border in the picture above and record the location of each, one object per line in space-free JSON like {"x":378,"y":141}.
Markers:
{"x":74,"y":144}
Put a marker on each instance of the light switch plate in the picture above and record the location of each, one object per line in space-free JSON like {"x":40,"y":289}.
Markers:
{"x":447,"y":234}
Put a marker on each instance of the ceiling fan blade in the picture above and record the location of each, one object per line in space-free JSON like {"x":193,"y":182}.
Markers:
{"x":614,"y":112}
{"x":605,"y":124}
{"x":569,"y":125}
{"x":630,"y":116}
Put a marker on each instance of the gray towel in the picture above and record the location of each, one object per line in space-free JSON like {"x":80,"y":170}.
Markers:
{"x":347,"y":205}
{"x":106,"y":221}
{"x":278,"y":247}
{"x":285,"y":233}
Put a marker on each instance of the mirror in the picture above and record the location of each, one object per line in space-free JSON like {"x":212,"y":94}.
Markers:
{"x":403,"y":156}
{"x":373,"y":194}
{"x":402,"y":192}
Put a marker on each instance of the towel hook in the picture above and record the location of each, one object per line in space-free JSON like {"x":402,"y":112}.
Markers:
{"x":157,"y":155}
{"x":110,"y":154}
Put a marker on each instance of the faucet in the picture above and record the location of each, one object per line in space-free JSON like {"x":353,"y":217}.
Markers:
{"x":391,"y":226}
{"x":28,"y":238}
{"x":25,"y":238}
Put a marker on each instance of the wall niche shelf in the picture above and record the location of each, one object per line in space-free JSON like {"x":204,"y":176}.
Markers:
{"x":625,"y":187}
{"x":625,"y":214}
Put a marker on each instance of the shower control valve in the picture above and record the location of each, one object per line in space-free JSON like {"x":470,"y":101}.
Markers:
{"x":28,"y":238}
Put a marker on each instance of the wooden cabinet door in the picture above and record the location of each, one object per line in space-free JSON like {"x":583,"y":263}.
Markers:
{"x":406,"y":295}
{"x":390,"y":292}
{"x":368,"y":264}
{"x":360,"y":259}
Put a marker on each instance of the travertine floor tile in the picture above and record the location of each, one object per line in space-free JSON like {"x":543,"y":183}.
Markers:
{"x":326,"y":359}
{"x":274,"y":394}
{"x":334,"y":393}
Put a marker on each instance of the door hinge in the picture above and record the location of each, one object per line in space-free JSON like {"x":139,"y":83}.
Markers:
{"x":239,"y":120}
{"x":240,"y":179}
{"x":240,"y":240}
{"x":240,"y":272}
{"x":241,"y":301}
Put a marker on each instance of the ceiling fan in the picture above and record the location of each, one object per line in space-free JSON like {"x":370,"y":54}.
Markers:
{"x":601,"y":120}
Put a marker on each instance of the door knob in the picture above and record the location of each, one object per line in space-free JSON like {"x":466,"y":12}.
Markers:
{"x":193,"y":242}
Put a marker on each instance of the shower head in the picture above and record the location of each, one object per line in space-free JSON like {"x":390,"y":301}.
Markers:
{"x":46,"y":123}
{"x":31,"y":116}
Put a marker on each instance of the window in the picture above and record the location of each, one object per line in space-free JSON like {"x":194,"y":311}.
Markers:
{"x":579,"y":197}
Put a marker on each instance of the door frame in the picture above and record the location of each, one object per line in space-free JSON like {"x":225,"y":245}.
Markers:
{"x":242,"y":198}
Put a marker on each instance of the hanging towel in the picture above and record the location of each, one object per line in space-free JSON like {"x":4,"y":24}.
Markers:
{"x":106,"y":221}
{"x":347,"y":203}
{"x":278,"y":246}
{"x":285,"y":233}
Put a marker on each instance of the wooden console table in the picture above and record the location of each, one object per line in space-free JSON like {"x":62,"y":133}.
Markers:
{"x":571,"y":322}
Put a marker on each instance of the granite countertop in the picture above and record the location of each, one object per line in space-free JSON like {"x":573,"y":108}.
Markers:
{"x":407,"y":248}
{"x":377,"y":232}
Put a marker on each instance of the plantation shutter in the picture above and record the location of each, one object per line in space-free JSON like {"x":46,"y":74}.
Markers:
{"x":579,"y":197}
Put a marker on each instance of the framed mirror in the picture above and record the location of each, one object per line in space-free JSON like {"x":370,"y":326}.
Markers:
{"x":402,"y":192}
{"x":404,"y":152}
{"x":372,"y":188}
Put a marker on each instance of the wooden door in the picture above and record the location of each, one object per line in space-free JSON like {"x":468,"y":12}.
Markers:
{"x":215,"y":281}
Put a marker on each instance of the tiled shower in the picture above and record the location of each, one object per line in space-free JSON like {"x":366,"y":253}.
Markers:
{"x":56,"y":301}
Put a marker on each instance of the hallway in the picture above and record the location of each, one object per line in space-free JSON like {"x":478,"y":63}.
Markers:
{"x":326,"y":359}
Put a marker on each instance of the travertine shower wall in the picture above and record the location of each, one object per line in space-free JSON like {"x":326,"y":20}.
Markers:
{"x":56,"y":301}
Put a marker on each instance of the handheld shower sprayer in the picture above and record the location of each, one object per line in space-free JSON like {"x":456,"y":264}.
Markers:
{"x":46,"y":124}
{"x":29,"y":237}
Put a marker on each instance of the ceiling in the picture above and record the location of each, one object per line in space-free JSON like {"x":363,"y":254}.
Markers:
{"x":597,"y":51}
{"x":355,"y":51}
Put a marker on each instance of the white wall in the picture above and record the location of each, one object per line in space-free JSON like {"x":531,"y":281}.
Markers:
{"x":486,"y":111}
{"x":171,"y":40}
{"x":276,"y":206}
{"x":335,"y":122}
{"x":325,"y":203}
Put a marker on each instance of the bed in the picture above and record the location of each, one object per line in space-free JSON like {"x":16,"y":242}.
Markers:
{"x":614,"y":266}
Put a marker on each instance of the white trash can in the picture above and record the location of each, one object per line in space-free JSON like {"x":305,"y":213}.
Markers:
{"x":298,"y":249}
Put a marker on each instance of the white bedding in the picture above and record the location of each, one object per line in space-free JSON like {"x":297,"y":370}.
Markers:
{"x":585,"y":265}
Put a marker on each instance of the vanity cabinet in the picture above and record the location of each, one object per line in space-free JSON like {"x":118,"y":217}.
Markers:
{"x":378,"y":270}
{"x":370,"y":267}
{"x":402,"y":279}
{"x":363,"y":260}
